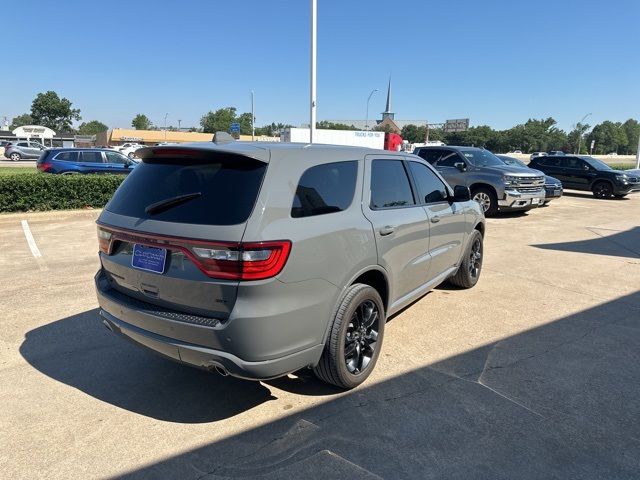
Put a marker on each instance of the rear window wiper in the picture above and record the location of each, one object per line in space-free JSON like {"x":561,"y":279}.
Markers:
{"x":168,"y":203}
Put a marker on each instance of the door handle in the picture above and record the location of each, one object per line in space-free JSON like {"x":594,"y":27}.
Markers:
{"x":387,"y":230}
{"x":435,"y":219}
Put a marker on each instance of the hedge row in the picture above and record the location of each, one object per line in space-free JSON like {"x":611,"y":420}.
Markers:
{"x":22,"y":192}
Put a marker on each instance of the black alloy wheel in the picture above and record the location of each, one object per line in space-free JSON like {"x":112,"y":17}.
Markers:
{"x":362,"y":337}
{"x":602,"y":190}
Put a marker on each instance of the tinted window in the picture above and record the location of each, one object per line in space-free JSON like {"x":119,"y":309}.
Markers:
{"x":68,"y":156}
{"x":228,"y":187}
{"x":550,"y":162}
{"x":573,"y":162}
{"x":450,"y":161}
{"x":22,"y":144}
{"x":430,"y":188}
{"x":390,"y":185}
{"x":481,"y":158}
{"x":324,"y":189}
{"x":431,"y":155}
{"x":113,"y":157}
{"x":92,"y":157}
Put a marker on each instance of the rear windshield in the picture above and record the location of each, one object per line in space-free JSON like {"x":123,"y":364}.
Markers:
{"x":228,"y":190}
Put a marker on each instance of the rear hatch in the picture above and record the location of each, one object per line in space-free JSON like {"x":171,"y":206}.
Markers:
{"x":171,"y":233}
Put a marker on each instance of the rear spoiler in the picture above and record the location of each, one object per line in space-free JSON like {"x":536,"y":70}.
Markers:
{"x":203,"y":152}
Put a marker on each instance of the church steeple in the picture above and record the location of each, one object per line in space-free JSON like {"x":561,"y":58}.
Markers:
{"x":387,"y":111}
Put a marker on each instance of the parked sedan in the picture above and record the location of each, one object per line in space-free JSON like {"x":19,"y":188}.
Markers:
{"x":16,"y":151}
{"x":68,"y":161}
{"x":552,"y":186}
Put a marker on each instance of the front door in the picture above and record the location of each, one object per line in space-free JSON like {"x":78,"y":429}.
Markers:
{"x":447,"y":220}
{"x":400,"y":224}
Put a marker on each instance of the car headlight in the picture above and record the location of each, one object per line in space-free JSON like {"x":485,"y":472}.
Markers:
{"x":622,"y":178}
{"x":510,"y":180}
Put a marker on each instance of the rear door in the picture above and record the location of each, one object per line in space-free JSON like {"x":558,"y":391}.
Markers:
{"x":447,"y":221}
{"x":116,"y":162}
{"x":219,"y":193}
{"x":400,"y":224}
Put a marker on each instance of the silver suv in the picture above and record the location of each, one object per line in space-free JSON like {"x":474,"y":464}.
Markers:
{"x":16,"y":151}
{"x":257,"y":260}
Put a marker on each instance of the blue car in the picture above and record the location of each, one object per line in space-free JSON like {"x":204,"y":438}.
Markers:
{"x":69,"y":161}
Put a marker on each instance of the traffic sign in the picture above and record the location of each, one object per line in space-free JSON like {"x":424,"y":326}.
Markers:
{"x":458,"y":125}
{"x":235,"y":128}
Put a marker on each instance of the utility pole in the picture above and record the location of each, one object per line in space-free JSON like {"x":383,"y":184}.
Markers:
{"x":179,"y":121}
{"x":312,"y":103}
{"x":253,"y":119}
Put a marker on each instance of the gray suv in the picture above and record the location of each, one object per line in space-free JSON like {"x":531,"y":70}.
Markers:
{"x":493,"y":184}
{"x":257,"y":260}
{"x":23,"y":149}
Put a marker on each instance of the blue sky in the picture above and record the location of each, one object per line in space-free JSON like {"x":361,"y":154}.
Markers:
{"x":497,"y":62}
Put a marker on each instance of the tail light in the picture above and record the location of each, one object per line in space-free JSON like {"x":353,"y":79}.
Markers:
{"x":225,"y":260}
{"x":44,"y":166}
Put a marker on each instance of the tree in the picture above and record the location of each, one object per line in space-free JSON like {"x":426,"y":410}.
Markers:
{"x":632,"y":129}
{"x":324,"y":124}
{"x":577,"y":135}
{"x":218,"y":121}
{"x":245,"y":123}
{"x":20,"y":120}
{"x":141,"y":122}
{"x":49,"y":110}
{"x":609,"y":137}
{"x":92,"y":127}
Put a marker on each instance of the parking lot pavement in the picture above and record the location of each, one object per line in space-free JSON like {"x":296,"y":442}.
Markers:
{"x":534,"y":373}
{"x":23,"y":163}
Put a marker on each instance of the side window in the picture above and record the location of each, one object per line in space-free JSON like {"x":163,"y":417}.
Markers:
{"x":35,"y":145}
{"x":67,"y":156}
{"x":431,"y":155}
{"x":113,"y":157}
{"x":450,"y":160}
{"x":550,"y":162}
{"x":573,"y":162}
{"x":92,"y":157}
{"x":326,"y":188}
{"x":22,"y":144}
{"x":430,"y":187}
{"x":390,"y":185}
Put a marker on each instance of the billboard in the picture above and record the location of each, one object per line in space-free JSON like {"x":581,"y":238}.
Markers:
{"x":457,"y":125}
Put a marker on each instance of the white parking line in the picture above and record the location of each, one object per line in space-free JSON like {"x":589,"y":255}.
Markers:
{"x":30,"y":240}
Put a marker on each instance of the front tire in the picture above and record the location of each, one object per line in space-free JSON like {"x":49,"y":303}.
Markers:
{"x":15,"y":157}
{"x":602,"y":190}
{"x":469,"y":271}
{"x":355,"y":338}
{"x":487,"y":199}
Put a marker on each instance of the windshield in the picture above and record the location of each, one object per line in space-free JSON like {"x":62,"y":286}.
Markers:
{"x":482,"y":158}
{"x":597,"y":164}
{"x":514,"y":162}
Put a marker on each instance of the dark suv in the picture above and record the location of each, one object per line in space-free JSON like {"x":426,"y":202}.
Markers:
{"x":84,"y":160}
{"x":256,"y":260}
{"x":588,"y":173}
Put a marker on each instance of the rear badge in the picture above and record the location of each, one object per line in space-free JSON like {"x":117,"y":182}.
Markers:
{"x":151,"y":259}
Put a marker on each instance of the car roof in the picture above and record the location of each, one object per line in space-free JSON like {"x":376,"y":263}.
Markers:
{"x":263,"y":151}
{"x":74,"y":149}
{"x":453,"y":147}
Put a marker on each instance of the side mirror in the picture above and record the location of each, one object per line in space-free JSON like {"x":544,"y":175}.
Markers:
{"x":460,"y":166}
{"x":461,"y":193}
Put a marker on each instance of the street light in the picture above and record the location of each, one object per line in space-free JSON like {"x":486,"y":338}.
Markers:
{"x":580,"y":133}
{"x":366,"y":122}
{"x":165,"y":126}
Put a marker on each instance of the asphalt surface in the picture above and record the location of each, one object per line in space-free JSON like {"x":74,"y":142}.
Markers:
{"x":534,"y":373}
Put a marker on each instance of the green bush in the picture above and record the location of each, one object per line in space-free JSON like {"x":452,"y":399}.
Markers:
{"x":22,"y":192}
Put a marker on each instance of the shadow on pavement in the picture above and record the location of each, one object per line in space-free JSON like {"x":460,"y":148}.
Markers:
{"x":620,"y":244}
{"x":80,"y":352}
{"x":558,"y":401}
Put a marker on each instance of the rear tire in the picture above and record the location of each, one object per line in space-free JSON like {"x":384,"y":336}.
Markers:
{"x":469,"y":271}
{"x":15,"y":157}
{"x":354,"y":340}
{"x":487,"y":199}
{"x":602,"y":189}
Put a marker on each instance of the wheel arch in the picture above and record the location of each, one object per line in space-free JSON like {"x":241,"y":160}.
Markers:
{"x":477,"y":185}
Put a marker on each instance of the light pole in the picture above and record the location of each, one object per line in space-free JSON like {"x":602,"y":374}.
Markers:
{"x":366,"y":121}
{"x":253,"y":119}
{"x":165,"y":126}
{"x":179,"y":122}
{"x":580,"y":133}
{"x":312,"y":100}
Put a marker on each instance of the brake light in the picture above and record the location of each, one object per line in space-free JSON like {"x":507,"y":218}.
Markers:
{"x":44,"y":167}
{"x":225,"y":260}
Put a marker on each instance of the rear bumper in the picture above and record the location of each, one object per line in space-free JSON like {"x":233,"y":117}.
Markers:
{"x":514,"y":200}
{"x":261,"y":339}
{"x":209,"y":359}
{"x":551,"y":192}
